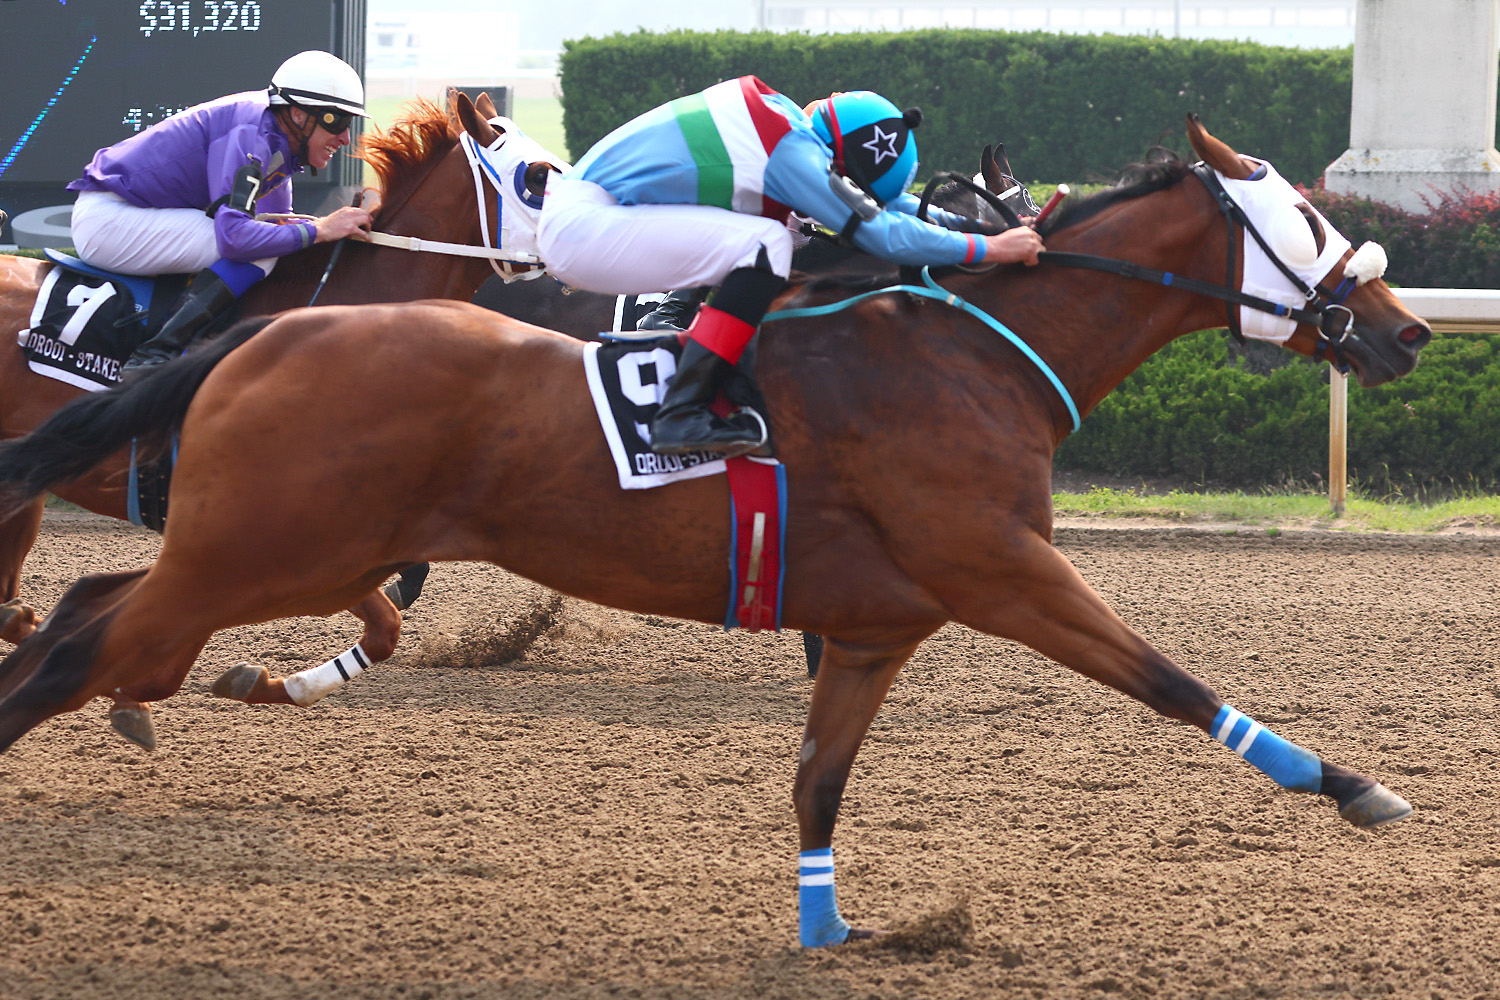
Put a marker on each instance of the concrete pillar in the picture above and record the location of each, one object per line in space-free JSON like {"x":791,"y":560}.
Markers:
{"x":1423,"y":116}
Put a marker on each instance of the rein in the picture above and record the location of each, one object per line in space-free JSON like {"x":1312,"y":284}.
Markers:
{"x":1328,"y":315}
{"x":980,"y":226}
{"x":930,"y":289}
{"x":481,"y":170}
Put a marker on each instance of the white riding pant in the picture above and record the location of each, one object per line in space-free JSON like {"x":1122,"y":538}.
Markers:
{"x":111,"y":233}
{"x":590,"y":241}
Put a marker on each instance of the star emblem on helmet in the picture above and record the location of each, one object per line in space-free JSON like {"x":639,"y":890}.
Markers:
{"x":882,"y":144}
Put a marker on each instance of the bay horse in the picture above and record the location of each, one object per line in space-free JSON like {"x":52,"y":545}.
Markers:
{"x":425,"y":190}
{"x":918,"y":444}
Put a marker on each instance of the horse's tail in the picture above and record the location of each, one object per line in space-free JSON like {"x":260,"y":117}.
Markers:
{"x":87,"y":430}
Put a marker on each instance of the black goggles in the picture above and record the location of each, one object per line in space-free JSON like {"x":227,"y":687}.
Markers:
{"x":332,"y":122}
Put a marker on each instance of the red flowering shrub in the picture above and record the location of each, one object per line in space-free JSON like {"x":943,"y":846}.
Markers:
{"x":1453,"y":245}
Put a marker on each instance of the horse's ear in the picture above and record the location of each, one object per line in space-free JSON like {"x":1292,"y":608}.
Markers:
{"x":1216,"y":153}
{"x":476,"y":126}
{"x":1002,"y":161}
{"x":990,"y":171}
{"x":486,"y":107}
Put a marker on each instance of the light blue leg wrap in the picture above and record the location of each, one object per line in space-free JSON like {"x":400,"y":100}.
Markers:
{"x":1285,"y":763}
{"x":818,"y":912}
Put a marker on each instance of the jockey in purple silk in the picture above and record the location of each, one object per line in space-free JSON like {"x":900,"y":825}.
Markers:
{"x":183,"y":195}
{"x":697,"y":192}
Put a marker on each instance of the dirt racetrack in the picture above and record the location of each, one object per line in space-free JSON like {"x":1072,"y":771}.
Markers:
{"x":610,"y":815}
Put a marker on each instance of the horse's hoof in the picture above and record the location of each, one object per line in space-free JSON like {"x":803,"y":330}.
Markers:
{"x":135,"y":725}
{"x":238,"y":681}
{"x":17,"y":620}
{"x":863,"y":934}
{"x":1376,"y":806}
{"x":392,"y":591}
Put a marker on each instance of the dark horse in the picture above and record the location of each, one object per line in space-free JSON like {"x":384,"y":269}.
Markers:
{"x":918,"y":444}
{"x":426,"y":191}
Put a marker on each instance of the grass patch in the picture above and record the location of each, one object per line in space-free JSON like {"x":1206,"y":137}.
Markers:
{"x":1283,"y":510}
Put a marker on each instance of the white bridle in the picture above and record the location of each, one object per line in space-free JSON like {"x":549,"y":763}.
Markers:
{"x":482,"y":170}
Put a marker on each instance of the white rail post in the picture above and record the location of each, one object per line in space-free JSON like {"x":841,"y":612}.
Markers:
{"x":1338,"y":439}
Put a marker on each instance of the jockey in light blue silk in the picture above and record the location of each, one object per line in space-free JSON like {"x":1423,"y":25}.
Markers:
{"x":182,"y":196}
{"x":697,"y":192}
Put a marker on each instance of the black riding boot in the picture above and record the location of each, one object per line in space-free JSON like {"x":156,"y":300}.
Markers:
{"x":205,"y":299}
{"x":675,"y":311}
{"x":717,"y":339}
{"x":684,"y":422}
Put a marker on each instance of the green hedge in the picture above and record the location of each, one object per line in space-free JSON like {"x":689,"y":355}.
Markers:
{"x":1068,"y":107}
{"x":1208,"y":414}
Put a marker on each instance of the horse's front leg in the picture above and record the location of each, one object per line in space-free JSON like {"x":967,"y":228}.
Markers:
{"x":1048,"y":606}
{"x":851,"y":685}
{"x":18,"y":533}
{"x":254,"y":684}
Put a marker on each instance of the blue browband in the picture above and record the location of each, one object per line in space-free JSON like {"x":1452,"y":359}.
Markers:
{"x":933,"y":290}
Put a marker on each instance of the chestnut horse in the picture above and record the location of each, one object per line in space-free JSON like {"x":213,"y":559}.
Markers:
{"x":918,"y":443}
{"x":426,"y":190}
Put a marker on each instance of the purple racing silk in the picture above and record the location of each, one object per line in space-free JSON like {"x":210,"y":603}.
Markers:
{"x":189,"y":161}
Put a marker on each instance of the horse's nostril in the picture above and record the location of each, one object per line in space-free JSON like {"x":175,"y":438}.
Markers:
{"x":1417,"y":335}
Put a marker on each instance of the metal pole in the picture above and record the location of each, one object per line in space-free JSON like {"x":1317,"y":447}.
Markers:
{"x":1338,"y":440}
{"x":1176,"y":18}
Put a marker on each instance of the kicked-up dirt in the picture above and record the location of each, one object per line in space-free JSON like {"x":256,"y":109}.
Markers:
{"x":606,"y":811}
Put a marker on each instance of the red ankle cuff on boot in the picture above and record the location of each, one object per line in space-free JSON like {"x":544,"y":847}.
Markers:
{"x":721,"y":333}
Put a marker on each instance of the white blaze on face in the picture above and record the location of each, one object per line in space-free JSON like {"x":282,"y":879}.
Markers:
{"x":1272,"y":205}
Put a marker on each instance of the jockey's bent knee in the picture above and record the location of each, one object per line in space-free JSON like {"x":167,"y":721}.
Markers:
{"x":590,"y":241}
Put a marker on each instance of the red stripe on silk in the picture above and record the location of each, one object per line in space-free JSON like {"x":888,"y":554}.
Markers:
{"x":770,"y":125}
{"x":773,"y":209}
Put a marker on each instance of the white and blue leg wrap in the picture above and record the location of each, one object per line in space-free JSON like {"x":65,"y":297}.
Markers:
{"x":1283,"y":762}
{"x":819,"y":923}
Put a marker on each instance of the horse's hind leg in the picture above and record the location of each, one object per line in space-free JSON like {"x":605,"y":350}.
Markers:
{"x":60,"y":667}
{"x":18,"y":533}
{"x":254,"y":684}
{"x":1048,"y":606}
{"x":851,"y":685}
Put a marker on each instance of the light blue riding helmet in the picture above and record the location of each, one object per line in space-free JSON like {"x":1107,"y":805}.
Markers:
{"x":871,"y":141}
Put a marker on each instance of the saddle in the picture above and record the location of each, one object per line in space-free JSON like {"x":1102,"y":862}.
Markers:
{"x":86,"y":321}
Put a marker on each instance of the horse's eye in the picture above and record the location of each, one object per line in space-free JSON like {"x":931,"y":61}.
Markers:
{"x":1320,"y":239}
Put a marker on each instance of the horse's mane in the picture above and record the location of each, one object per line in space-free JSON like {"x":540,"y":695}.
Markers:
{"x":402,"y":155}
{"x":1161,"y":169}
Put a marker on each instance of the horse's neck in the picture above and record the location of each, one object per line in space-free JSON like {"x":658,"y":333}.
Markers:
{"x":1094,"y":329}
{"x":435,"y":204}
{"x":367,"y":274}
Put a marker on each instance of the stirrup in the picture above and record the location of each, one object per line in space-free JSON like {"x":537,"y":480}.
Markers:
{"x":765,"y":432}
{"x":144,"y":360}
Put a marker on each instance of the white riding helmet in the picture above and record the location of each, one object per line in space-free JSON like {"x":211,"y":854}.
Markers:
{"x":315,"y":80}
